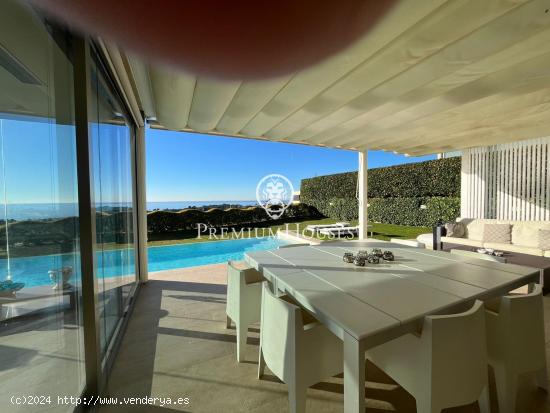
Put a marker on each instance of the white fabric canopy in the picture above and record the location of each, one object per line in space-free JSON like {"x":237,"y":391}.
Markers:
{"x":432,"y":76}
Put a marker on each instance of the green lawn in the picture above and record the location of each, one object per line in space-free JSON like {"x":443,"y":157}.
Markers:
{"x":387,"y":231}
{"x":380,"y":231}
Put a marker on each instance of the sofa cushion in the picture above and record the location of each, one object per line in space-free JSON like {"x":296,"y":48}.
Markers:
{"x":455,"y":229}
{"x":544,"y":239}
{"x":474,"y":227}
{"x":526,"y":233}
{"x":513,"y":248}
{"x":462,"y":241}
{"x":501,"y":233}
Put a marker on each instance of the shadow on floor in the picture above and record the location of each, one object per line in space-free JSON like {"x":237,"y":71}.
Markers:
{"x":205,"y":335}
{"x":195,"y":298}
{"x":15,"y":357}
{"x":140,"y":340}
{"x":192,"y":352}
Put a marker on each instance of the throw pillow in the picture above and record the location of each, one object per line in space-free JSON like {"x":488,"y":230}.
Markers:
{"x":544,"y":239}
{"x":454,"y":229}
{"x":501,"y":233}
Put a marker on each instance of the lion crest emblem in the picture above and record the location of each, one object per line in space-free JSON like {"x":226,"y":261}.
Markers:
{"x":274,"y":194}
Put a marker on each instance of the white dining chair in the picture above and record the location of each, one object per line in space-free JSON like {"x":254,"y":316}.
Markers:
{"x":446,"y":366}
{"x":515,"y":343}
{"x":296,"y":348}
{"x":244,"y":295}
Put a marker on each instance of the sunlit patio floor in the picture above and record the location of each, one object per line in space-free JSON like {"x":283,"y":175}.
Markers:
{"x":177,"y":345}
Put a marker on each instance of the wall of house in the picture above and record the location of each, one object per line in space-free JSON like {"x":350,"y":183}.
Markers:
{"x":507,"y":181}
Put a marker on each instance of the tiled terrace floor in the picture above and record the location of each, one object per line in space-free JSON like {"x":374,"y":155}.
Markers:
{"x":177,"y":345}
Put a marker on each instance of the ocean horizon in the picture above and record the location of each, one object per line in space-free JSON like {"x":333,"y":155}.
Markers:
{"x":24,"y":212}
{"x":186,"y":204}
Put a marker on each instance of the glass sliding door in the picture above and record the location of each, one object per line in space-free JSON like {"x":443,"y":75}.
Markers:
{"x":112,"y":152}
{"x":41,"y":333}
{"x":44,"y":330}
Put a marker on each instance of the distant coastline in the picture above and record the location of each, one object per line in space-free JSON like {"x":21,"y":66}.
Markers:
{"x":25,"y":212}
{"x":151,"y":206}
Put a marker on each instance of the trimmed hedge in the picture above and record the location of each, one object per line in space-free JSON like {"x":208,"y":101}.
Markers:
{"x":400,"y":211}
{"x":343,"y":209}
{"x":395,"y":193}
{"x":437,"y":178}
{"x":168,"y":221}
{"x":440,"y":177}
{"x":406,"y":211}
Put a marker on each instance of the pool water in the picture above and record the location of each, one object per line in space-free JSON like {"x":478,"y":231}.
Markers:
{"x":33,"y":271}
{"x":203,"y":253}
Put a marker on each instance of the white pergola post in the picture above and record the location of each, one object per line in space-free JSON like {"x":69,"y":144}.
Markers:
{"x":363,"y":201}
{"x":141,"y":203}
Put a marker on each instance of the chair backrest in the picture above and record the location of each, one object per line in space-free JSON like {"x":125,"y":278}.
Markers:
{"x":280,"y":324}
{"x":458,"y":354}
{"x":235,"y":281}
{"x":242,"y":275}
{"x":237,"y":284}
{"x":522,"y":320}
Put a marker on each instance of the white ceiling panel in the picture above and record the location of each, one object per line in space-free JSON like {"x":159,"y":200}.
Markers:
{"x":460,"y":63}
{"x":431,"y":37}
{"x":248,"y":101}
{"x":308,"y":84}
{"x":210,"y":101}
{"x":430,"y":76}
{"x":172,"y":94}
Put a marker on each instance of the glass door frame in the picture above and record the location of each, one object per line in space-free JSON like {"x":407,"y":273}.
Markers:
{"x":98,"y":367}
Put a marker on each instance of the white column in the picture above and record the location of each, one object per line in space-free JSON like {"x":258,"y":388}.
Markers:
{"x":141,"y":201}
{"x":363,"y":199}
{"x":465,"y":182}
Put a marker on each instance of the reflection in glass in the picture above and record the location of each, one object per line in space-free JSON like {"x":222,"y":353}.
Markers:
{"x":112,"y":142}
{"x":41,"y":336}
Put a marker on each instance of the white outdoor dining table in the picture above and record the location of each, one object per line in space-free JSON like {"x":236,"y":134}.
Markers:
{"x":367,"y":306}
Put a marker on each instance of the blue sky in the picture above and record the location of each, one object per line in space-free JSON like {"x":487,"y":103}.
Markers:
{"x":196,"y":167}
{"x":40,"y":162}
{"x":40,"y":159}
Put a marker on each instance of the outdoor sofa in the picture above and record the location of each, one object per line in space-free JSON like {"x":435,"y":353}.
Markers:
{"x":527,"y":242}
{"x":523,"y":236}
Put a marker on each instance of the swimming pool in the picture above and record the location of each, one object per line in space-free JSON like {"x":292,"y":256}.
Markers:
{"x":203,"y":253}
{"x":33,"y":271}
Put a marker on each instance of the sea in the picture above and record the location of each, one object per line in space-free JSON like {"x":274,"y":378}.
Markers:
{"x":25,"y":212}
{"x":187,"y":204}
